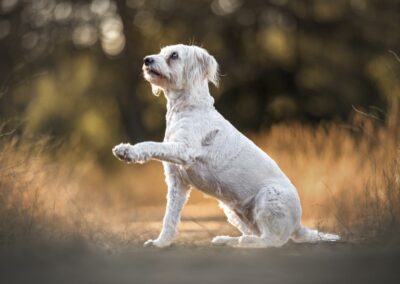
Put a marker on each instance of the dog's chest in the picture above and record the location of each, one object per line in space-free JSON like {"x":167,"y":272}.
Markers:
{"x":178,"y":126}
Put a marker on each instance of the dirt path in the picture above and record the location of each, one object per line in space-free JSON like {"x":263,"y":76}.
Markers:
{"x":191,"y":259}
{"x":77,"y":263}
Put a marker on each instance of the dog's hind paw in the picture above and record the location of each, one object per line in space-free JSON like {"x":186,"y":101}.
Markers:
{"x":225,"y":240}
{"x":156,"y":243}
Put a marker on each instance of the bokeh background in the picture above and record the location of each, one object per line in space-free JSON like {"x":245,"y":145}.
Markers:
{"x":315,"y":83}
{"x":72,"y":69}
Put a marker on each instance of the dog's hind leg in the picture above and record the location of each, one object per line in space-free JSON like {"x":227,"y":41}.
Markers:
{"x":235,"y":221}
{"x":273,"y":234}
{"x":276,"y":214}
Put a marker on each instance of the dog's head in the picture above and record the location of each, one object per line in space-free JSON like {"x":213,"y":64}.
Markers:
{"x":180,"y":67}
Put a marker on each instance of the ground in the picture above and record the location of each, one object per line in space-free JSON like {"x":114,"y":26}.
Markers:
{"x":338,"y":263}
{"x":193,"y":260}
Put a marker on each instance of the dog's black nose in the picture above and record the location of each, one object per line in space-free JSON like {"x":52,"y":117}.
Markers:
{"x":148,"y":60}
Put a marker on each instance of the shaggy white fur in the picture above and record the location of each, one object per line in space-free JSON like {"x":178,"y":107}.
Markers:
{"x":204,"y":150}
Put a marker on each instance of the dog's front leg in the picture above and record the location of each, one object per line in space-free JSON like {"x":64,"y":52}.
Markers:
{"x":172,"y":152}
{"x":178,"y":192}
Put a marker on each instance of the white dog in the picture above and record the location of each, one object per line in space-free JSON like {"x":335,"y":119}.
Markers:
{"x":204,"y":150}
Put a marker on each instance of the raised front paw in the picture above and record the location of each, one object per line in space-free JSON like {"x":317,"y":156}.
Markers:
{"x":131,"y":154}
{"x":122,"y":152}
{"x":156,"y":243}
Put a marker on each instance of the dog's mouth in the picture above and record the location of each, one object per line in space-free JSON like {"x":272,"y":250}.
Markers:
{"x":153,"y":73}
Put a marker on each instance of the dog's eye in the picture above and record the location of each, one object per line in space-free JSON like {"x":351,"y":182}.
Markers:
{"x":174,"y":55}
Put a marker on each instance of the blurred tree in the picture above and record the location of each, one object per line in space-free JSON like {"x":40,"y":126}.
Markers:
{"x":72,"y":69}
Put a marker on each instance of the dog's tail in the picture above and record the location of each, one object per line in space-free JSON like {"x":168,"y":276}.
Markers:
{"x":306,"y":235}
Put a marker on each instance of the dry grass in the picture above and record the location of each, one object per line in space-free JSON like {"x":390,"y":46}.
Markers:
{"x":42,"y":199}
{"x":24,"y":176}
{"x":347,"y":176}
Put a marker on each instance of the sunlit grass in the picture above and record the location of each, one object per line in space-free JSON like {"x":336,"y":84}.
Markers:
{"x":347,"y":176}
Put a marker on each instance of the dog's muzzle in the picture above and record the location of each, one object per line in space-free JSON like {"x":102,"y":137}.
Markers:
{"x":153,"y":72}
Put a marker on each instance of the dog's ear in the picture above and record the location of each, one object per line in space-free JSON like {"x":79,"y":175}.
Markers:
{"x":212,"y":70}
{"x":209,"y":66}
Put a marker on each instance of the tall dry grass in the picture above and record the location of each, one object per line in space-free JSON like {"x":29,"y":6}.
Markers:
{"x":46,"y":199}
{"x":347,"y":176}
{"x":24,"y":177}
